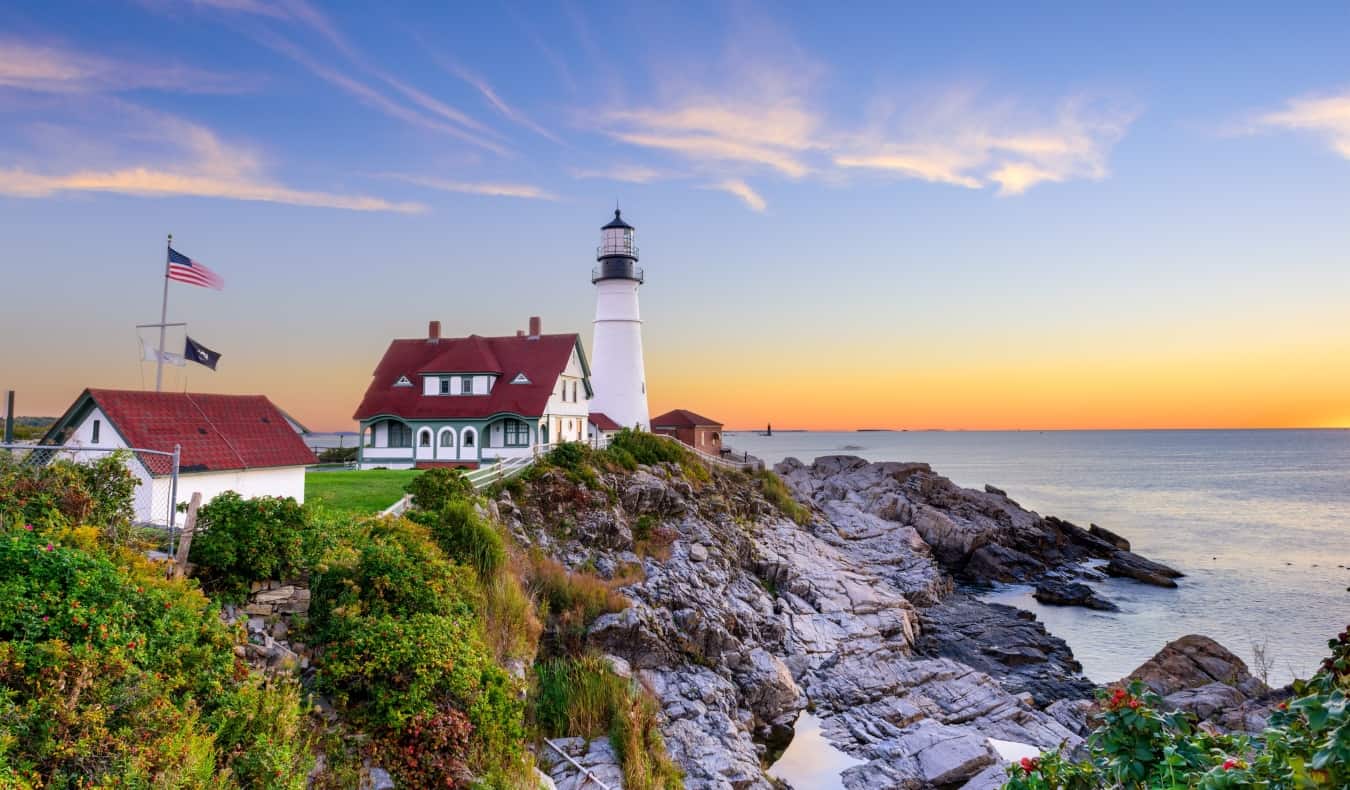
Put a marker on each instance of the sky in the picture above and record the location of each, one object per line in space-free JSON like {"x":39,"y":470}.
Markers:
{"x":954,"y":215}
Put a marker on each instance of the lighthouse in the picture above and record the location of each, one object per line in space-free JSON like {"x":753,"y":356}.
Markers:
{"x":618,"y":376}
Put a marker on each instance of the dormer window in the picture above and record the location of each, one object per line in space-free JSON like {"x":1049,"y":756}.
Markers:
{"x":520,"y":378}
{"x":403,"y":382}
{"x":445,"y":386}
{"x":466,"y":385}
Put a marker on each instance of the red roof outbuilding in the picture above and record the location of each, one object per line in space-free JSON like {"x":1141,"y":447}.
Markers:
{"x":603,"y":422}
{"x":215,"y":432}
{"x":683,"y":418}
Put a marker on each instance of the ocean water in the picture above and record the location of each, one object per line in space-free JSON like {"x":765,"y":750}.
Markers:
{"x":1258,"y":520}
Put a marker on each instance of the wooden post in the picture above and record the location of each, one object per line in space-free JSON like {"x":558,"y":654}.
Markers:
{"x":185,"y":542}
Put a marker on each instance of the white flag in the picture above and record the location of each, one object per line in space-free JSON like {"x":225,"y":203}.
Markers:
{"x":167,"y":357}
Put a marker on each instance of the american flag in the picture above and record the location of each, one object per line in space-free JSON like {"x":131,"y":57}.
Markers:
{"x":185,"y":270}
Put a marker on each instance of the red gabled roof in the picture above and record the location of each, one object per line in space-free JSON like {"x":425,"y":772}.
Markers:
{"x":215,"y":432}
{"x":542,"y":359}
{"x":471,"y":354}
{"x":682,"y":418}
{"x":603,"y":422}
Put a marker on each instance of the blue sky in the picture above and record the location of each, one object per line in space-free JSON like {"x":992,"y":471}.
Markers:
{"x":906,"y":202}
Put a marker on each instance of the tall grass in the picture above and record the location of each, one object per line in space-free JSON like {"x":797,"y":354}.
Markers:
{"x":510,"y":625}
{"x":583,"y":697}
{"x":469,"y":538}
{"x":776,"y":491}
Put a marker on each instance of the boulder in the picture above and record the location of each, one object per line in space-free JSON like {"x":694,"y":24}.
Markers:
{"x":1132,"y":566}
{"x":1109,"y":536}
{"x":1057,"y":592}
{"x":1194,"y":662}
{"x":993,"y":562}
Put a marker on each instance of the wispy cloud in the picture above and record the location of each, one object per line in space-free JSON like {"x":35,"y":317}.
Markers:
{"x":1326,"y":116}
{"x":377,"y":100}
{"x":162,"y":183}
{"x":527,"y":191}
{"x":631,"y":174}
{"x":50,"y":68}
{"x":188,"y":160}
{"x":742,"y":190}
{"x":490,"y":95}
{"x":964,"y":140}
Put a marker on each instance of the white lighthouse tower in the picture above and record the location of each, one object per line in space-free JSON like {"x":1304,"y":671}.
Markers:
{"x":618,"y":376}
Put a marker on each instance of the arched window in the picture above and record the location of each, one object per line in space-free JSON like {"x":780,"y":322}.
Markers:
{"x":424,"y":438}
{"x":447,"y":437}
{"x":469,"y":438}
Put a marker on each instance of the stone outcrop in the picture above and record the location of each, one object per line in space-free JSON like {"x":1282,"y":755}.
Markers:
{"x":1198,"y":675}
{"x":1058,"y":592}
{"x":266,"y":616}
{"x":740,"y":616}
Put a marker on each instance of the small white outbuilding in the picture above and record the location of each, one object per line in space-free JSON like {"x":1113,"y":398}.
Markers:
{"x":241,"y":443}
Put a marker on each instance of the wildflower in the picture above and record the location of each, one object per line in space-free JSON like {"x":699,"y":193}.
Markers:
{"x":28,"y":527}
{"x":45,"y":618}
{"x":1134,"y":704}
{"x":50,"y":547}
{"x":1030,"y":764}
{"x":1229,"y":764}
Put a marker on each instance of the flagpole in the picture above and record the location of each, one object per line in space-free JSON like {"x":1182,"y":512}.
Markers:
{"x":163,"y":318}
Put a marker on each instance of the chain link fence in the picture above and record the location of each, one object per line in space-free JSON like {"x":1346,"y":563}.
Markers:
{"x":157,"y":471}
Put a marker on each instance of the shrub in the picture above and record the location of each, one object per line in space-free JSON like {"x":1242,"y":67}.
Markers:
{"x":435,"y":488}
{"x":1306,"y":743}
{"x":431,"y":751}
{"x":60,"y":493}
{"x":240,"y":541}
{"x":774,"y":490}
{"x":394,"y":570}
{"x":262,"y":732}
{"x":646,"y":448}
{"x":573,"y":598}
{"x":467,"y":537}
{"x":388,"y":671}
{"x":577,"y":460}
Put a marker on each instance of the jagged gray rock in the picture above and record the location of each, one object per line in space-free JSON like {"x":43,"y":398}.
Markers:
{"x":747,"y":615}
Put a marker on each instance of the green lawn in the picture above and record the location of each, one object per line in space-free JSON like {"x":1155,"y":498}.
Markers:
{"x":358,"y":493}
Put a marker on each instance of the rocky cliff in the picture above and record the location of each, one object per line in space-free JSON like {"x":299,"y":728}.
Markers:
{"x":741,"y":617}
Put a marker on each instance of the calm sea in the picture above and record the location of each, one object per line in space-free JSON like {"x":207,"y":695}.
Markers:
{"x":1258,"y":520}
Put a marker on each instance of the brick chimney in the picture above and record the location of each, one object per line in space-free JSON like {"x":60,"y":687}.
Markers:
{"x":434,"y":332}
{"x":520,"y":333}
{"x":534,"y":326}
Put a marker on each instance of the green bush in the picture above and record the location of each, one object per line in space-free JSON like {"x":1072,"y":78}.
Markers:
{"x":646,"y":448}
{"x":393,"y":570}
{"x":467,"y":537}
{"x":262,"y":729}
{"x":63,"y":493}
{"x":239,"y":541}
{"x":435,"y":488}
{"x":111,"y":676}
{"x":388,"y":671}
{"x":1306,"y":743}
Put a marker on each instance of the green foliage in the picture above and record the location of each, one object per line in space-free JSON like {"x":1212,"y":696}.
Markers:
{"x":774,"y":490}
{"x":239,"y":541}
{"x":64,"y":493}
{"x":338,"y":455}
{"x":263,"y":731}
{"x":430,"y":751}
{"x":578,"y":462}
{"x":111,"y":676}
{"x":393,"y":569}
{"x":436,"y":488}
{"x":646,"y":448}
{"x":1306,"y":743}
{"x":467,"y":537}
{"x":583,"y":697}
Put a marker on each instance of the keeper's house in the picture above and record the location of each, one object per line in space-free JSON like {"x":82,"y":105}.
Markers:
{"x":461,"y":401}
{"x":240,"y":443}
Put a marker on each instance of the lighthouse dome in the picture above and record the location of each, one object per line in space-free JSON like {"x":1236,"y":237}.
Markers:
{"x":617,"y":253}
